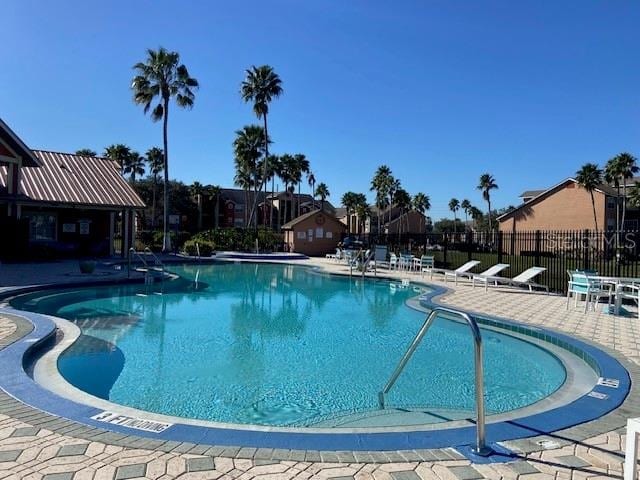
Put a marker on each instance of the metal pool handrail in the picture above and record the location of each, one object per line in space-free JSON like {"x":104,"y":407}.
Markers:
{"x":481,"y":447}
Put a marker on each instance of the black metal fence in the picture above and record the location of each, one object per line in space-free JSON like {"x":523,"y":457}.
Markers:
{"x":608,"y":253}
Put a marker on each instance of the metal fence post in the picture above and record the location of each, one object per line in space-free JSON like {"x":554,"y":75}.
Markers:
{"x":537,"y":247}
{"x":500,"y":234}
{"x":444,"y":249}
{"x":469,"y":244}
{"x":585,"y":246}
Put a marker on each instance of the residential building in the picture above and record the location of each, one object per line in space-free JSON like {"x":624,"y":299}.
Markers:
{"x":391,"y":221}
{"x":61,"y":203}
{"x":567,"y":206}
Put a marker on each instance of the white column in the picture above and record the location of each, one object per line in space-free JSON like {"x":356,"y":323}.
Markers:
{"x":112,"y":227}
{"x":125,"y":233}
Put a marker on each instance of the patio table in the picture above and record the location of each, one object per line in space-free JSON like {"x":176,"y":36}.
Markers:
{"x":619,"y":283}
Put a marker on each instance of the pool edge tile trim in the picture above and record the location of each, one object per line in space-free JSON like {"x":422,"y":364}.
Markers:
{"x":18,"y":384}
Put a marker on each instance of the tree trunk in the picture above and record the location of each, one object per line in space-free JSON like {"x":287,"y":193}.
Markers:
{"x":199,"y":199}
{"x":624,"y":203}
{"x":273,"y":187}
{"x":593,"y":204}
{"x":286,"y":202}
{"x":489,"y":213}
{"x":216,"y":221}
{"x":153,"y":202}
{"x":166,"y":242}
{"x":299,"y":198}
{"x":266,"y":161}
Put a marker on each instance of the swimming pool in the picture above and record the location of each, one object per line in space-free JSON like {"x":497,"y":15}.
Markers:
{"x":281,"y":345}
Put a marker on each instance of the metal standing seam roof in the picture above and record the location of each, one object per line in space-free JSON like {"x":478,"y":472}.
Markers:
{"x":75,"y":179}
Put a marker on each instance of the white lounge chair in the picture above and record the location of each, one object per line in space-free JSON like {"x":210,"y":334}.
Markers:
{"x":334,"y":256}
{"x":488,"y":274}
{"x":461,"y":271}
{"x":522,"y":280}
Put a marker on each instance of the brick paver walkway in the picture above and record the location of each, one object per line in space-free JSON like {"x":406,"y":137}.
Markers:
{"x":30,"y":452}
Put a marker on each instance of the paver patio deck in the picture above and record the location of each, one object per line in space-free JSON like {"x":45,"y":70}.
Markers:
{"x":31,"y":450}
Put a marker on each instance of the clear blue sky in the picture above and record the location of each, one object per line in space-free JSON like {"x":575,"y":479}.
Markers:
{"x":441,"y":91}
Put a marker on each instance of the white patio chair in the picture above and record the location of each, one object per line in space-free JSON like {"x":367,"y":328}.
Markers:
{"x":489,"y":274}
{"x":581,"y":283}
{"x":525,"y":279}
{"x":462,"y":271}
{"x":427,"y":263}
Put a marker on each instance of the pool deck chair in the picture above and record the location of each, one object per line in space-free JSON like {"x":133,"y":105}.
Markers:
{"x":525,"y":279}
{"x":380,"y":256}
{"x":334,"y":256}
{"x":461,"y":272}
{"x":489,"y":274}
{"x":427,"y":263}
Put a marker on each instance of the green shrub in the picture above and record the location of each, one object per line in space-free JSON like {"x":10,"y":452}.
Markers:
{"x":241,"y":240}
{"x":191,"y":248}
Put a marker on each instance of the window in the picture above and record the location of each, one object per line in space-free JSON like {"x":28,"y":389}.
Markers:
{"x":611,"y":202}
{"x":42,"y":227}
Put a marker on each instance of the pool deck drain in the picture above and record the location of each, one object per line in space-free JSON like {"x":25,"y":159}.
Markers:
{"x":36,"y":445}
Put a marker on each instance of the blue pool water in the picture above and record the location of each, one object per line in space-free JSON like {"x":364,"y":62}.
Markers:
{"x":281,"y":345}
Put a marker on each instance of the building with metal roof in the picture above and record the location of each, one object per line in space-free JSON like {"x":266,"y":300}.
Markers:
{"x":59,"y":203}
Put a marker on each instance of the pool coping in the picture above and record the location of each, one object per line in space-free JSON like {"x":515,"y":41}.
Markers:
{"x":608,"y":412}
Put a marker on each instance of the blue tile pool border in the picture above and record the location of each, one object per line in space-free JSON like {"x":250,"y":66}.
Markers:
{"x":16,"y":382}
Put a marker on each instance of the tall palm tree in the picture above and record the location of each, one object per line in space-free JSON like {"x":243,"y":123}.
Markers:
{"x":629,"y":169}
{"x":613,"y":175}
{"x":288,"y":176}
{"x":135,"y":166}
{"x":86,"y":152}
{"x":196,"y":189}
{"x":349,"y":202}
{"x":486,"y":184}
{"x":248,"y":147}
{"x":322,"y":191}
{"x":362,"y":210}
{"x":162,"y":77}
{"x":273,"y":171}
{"x":466,"y":206}
{"x":156,"y":162}
{"x":119,"y":153}
{"x":421,"y":203}
{"x":589,"y":177}
{"x":476,"y":214}
{"x":402,"y":200}
{"x":302,"y":168}
{"x":213,"y":193}
{"x":311,"y":181}
{"x":382,"y":183}
{"x":260,"y":86}
{"x":454,"y":206}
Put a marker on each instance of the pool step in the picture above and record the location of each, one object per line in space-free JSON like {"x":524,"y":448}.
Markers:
{"x":392,"y":417}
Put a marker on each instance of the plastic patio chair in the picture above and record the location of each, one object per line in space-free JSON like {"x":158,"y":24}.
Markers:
{"x":525,"y":279}
{"x":489,"y":274}
{"x":462,"y":271}
{"x":581,"y":283}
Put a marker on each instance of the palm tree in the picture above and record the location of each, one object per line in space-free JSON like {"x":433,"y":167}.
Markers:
{"x":248,"y":147}
{"x":86,"y":152}
{"x":213,"y":193}
{"x":322,"y":191}
{"x":476,"y":214}
{"x":196,"y":190}
{"x":634,"y":195}
{"x":311,"y":181}
{"x":629,"y":169}
{"x":273,"y":171}
{"x":454,"y":206}
{"x":134,"y":166}
{"x":589,"y":177}
{"x":156,"y":161}
{"x":288,"y":176}
{"x":381,"y":183}
{"x":421,"y":203}
{"x":119,"y":153}
{"x":613,"y":173}
{"x":260,"y":86}
{"x":349,"y":202}
{"x":302,"y":168}
{"x":161,"y":76}
{"x":487,"y":183}
{"x":466,"y":206}
{"x":362,"y":210}
{"x":402,"y":201}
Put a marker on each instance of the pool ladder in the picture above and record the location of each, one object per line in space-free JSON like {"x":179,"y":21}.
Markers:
{"x":481,"y":447}
{"x":157,"y":267}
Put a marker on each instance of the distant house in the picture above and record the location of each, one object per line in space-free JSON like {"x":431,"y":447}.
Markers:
{"x":314,"y":233}
{"x":235,"y":207}
{"x":567,"y":206}
{"x":391,"y":221}
{"x":60,"y":202}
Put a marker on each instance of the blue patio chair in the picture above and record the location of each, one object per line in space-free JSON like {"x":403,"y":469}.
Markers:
{"x":582,"y":283}
{"x":427,"y":263}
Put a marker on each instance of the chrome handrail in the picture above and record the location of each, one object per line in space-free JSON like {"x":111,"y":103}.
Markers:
{"x":132,"y":252}
{"x":481,"y":447}
{"x":156,"y":260}
{"x":367,"y":261}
